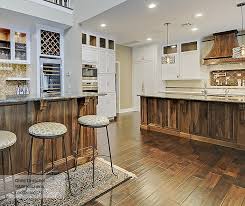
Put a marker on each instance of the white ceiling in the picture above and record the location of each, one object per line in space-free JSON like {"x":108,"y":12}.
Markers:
{"x":133,"y":21}
{"x":85,"y":9}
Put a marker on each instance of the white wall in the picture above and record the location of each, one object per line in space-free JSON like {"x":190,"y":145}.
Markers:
{"x":73,"y":59}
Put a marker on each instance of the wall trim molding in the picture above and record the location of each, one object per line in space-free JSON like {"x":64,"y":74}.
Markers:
{"x":127,"y":110}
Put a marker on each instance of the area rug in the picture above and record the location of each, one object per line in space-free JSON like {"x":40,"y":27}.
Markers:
{"x":56,"y":190}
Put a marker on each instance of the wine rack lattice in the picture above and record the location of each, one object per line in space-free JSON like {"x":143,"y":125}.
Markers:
{"x":50,"y":43}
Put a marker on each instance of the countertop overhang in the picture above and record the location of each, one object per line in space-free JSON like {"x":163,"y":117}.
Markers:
{"x":209,"y":98}
{"x":29,"y":98}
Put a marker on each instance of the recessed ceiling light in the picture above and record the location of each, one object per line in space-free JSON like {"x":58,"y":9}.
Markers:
{"x":152,"y":5}
{"x":103,"y":25}
{"x":197,"y":15}
{"x":194,"y":29}
{"x":149,"y":39}
{"x":173,"y":46}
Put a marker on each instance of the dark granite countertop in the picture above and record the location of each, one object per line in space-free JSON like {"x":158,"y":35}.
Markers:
{"x":28,"y":98}
{"x":211,"y":98}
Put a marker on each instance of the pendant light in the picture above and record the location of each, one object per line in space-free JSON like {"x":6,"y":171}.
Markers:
{"x":239,"y":52}
{"x":167,"y":58}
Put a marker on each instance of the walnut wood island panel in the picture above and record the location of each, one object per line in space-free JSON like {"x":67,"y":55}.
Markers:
{"x":18,"y":114}
{"x":215,"y":120}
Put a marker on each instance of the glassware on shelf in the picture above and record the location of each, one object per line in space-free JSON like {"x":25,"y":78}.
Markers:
{"x":20,"y":46}
{"x":5,"y":51}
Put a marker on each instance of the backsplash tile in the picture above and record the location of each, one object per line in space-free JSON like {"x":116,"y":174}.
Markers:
{"x":221,"y":78}
{"x":12,"y":70}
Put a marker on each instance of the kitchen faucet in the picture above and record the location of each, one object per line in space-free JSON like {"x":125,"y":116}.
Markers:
{"x":227,"y":92}
{"x":205,"y":91}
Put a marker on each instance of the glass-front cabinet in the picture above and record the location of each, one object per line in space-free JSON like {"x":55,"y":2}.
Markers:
{"x":20,"y":40}
{"x":5,"y":44}
{"x":14,"y":46}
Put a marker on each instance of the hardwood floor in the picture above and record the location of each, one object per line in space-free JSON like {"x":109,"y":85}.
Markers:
{"x":171,"y":171}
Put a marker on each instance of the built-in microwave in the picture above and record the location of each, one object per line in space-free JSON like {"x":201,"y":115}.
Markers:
{"x":89,"y":72}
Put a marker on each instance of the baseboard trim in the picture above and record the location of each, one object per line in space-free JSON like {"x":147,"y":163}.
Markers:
{"x":126,"y":110}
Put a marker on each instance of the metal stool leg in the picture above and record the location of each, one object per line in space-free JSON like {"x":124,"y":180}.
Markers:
{"x":4,"y":182}
{"x":42,"y":171}
{"x":52,"y":151}
{"x":13,"y":179}
{"x":76,"y":152}
{"x":93,"y":157}
{"x":109,"y":149}
{"x":30,"y":165}
{"x":67,"y":170}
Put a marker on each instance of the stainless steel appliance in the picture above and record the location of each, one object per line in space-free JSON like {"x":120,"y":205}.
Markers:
{"x":50,"y":76}
{"x":89,"y":72}
{"x":90,"y":86}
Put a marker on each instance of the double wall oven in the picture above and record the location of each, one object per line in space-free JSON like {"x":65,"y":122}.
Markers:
{"x":89,"y":78}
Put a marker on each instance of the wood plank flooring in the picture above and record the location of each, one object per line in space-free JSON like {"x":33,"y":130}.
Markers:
{"x":171,"y":171}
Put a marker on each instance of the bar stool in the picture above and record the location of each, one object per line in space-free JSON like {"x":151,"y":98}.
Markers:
{"x":95,"y":121}
{"x":7,"y":140}
{"x":48,"y":131}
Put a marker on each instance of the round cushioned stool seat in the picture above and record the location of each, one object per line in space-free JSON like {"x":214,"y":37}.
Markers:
{"x":7,"y":139}
{"x":47,"y":129}
{"x":94,"y":121}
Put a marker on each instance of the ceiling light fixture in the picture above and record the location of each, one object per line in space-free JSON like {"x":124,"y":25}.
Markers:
{"x":149,"y":39}
{"x":239,"y":52}
{"x":103,"y":25}
{"x":152,"y":5}
{"x":167,"y":58}
{"x":194,"y":29}
{"x":197,"y":15}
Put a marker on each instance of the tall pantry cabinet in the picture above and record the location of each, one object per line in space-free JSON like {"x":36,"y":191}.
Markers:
{"x":100,"y":51}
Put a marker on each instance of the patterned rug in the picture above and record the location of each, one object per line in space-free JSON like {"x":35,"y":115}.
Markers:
{"x":56,"y":192}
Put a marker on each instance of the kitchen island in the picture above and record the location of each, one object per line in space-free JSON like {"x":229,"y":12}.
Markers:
{"x":19,"y":113}
{"x":211,"y":119}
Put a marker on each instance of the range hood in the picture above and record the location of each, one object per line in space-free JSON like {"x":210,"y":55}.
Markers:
{"x":221,"y":51}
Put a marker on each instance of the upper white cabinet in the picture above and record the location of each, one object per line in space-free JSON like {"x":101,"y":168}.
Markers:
{"x":14,"y":46}
{"x":145,"y":53}
{"x":90,"y":55}
{"x":190,"y":61}
{"x":102,"y":61}
{"x":111,"y":61}
{"x":171,"y":71}
{"x":186,"y":65}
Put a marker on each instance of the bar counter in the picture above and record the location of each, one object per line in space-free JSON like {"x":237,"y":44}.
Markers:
{"x":17,"y":114}
{"x":211,"y":119}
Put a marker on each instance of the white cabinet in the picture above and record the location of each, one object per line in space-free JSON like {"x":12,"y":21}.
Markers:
{"x":187,"y":63}
{"x":14,"y":46}
{"x":111,"y":62}
{"x":106,"y":83}
{"x":90,"y":55}
{"x":107,"y":60}
{"x":171,"y":71}
{"x":102,"y":68}
{"x":144,"y":53}
{"x":100,"y":51}
{"x":107,"y":105}
{"x":143,"y":80}
{"x":190,"y":64}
